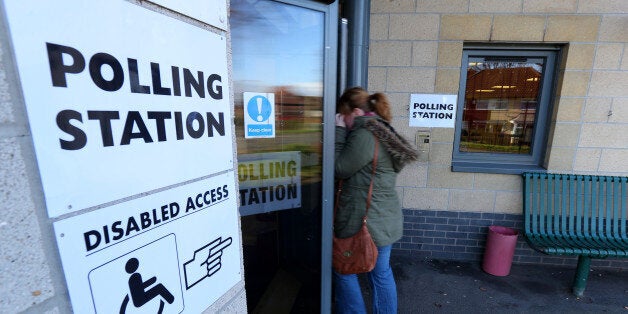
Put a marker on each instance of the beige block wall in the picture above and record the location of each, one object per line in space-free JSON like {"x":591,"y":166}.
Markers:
{"x":588,"y":132}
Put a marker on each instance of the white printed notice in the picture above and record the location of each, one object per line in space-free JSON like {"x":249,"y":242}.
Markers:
{"x":175,"y":251}
{"x":430,"y":110}
{"x":269,"y":182}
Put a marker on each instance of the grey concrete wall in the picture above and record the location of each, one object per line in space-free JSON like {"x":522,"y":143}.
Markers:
{"x":31,"y":275}
{"x":30,"y":268}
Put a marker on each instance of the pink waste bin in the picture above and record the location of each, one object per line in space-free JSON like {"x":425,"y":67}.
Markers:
{"x":500,"y":248}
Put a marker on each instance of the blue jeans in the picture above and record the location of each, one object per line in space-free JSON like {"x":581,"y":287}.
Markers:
{"x":384,"y":290}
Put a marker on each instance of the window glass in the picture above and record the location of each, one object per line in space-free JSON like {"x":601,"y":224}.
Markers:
{"x":279,"y":50}
{"x":500,"y":104}
{"x":504,"y":103}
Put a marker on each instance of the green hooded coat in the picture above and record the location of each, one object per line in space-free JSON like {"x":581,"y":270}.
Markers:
{"x":353,"y":165}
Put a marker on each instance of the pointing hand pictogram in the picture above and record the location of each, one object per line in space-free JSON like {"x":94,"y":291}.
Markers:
{"x":206,"y":262}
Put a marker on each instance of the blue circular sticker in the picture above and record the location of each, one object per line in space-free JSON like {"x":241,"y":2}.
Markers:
{"x":259,"y":108}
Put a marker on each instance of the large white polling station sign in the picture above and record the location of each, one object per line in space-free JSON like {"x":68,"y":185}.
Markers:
{"x":176,"y":250}
{"x":121,"y":100}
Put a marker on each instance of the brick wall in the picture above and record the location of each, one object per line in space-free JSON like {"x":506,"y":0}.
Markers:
{"x":416,"y":47}
{"x":461,"y":236}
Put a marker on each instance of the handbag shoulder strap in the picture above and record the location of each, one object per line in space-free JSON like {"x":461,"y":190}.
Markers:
{"x":368,"y":199}
{"x":370,"y":194}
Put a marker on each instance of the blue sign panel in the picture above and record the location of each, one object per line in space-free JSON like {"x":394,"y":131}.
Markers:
{"x":259,"y":118}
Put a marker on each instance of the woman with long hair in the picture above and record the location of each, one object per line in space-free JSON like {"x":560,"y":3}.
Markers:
{"x":361,"y":120}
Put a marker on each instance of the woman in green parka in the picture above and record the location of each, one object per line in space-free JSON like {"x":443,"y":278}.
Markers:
{"x":362,"y":120}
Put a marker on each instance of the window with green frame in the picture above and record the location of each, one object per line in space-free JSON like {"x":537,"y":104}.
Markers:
{"x":504,"y":106}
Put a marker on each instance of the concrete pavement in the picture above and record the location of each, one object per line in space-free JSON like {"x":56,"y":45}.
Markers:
{"x":433,"y":286}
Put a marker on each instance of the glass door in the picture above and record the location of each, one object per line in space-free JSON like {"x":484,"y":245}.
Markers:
{"x":284,"y":89}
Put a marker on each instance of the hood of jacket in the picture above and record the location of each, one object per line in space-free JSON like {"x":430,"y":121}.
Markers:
{"x":400,"y":150}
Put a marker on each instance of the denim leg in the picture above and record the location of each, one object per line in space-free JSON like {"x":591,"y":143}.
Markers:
{"x":383,"y":284}
{"x":348,"y":294}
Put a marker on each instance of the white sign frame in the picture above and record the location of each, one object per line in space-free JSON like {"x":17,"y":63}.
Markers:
{"x":259,"y":115}
{"x":213,"y":12}
{"x":194,"y":254}
{"x":433,"y":110}
{"x":100,"y":171}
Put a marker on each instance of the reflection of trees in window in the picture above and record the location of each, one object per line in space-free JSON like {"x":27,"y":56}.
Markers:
{"x":500,"y":105}
{"x":298,"y":121}
{"x":505,"y":98}
{"x":279,"y":48}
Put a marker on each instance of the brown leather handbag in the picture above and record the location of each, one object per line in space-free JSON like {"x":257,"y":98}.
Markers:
{"x":358,"y":253}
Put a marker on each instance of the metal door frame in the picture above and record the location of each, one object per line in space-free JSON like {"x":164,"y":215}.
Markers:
{"x":330,"y":82}
{"x":330,"y":64}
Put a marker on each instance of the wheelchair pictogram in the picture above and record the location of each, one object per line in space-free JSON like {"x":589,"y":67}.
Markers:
{"x":141,"y":292}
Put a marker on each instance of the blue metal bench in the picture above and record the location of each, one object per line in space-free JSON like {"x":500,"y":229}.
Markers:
{"x":579,"y":215}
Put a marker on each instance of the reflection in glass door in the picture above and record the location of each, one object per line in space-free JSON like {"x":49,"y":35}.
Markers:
{"x":279,"y":57}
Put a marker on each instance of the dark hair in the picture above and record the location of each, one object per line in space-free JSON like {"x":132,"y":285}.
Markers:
{"x":358,"y":97}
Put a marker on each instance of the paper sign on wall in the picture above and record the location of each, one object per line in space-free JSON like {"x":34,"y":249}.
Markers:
{"x":429,"y":110}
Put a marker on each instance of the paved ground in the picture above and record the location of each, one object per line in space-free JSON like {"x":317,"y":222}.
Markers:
{"x":431,"y":286}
